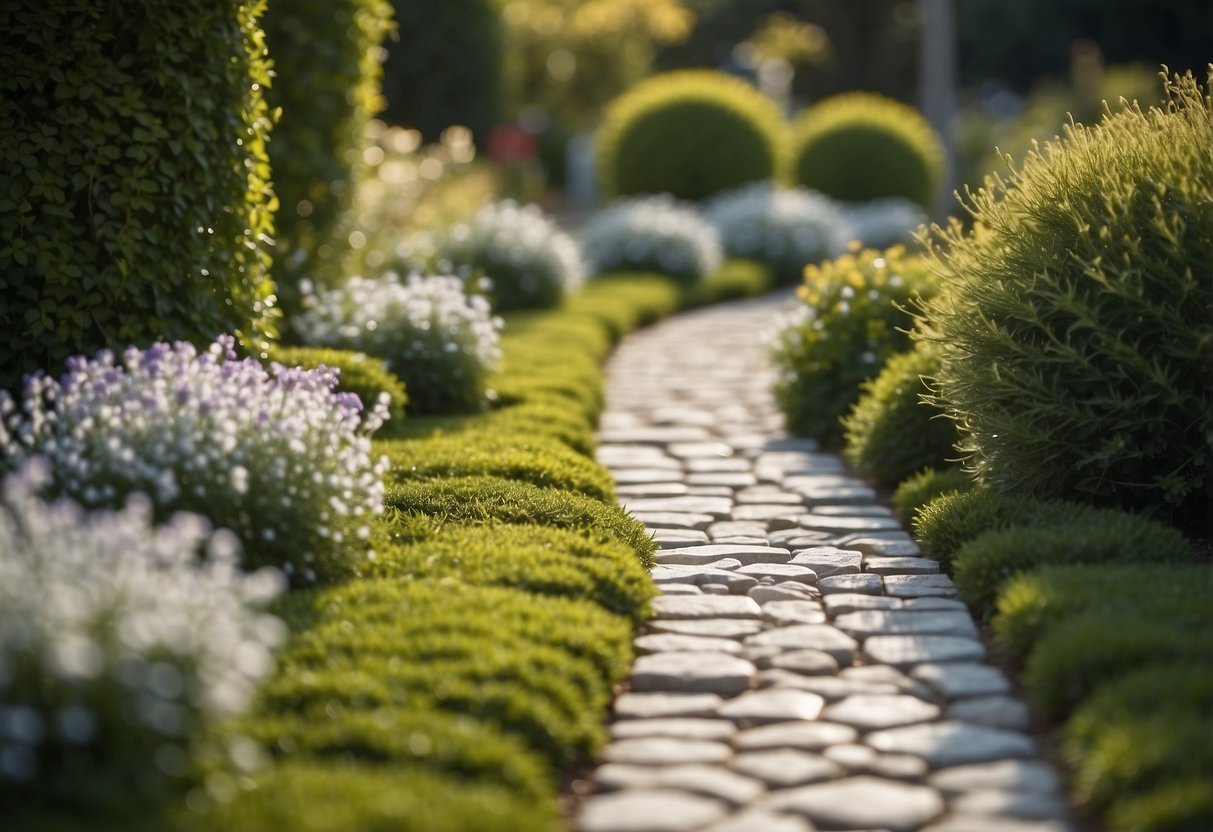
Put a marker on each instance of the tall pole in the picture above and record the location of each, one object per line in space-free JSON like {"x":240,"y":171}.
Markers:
{"x":937,"y":87}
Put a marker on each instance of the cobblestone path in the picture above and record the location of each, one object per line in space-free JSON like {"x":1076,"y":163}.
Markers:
{"x":805,"y":668}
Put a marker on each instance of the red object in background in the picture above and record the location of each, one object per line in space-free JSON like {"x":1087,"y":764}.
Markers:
{"x":510,"y":143}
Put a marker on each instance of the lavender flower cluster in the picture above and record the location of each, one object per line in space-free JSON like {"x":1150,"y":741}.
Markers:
{"x":441,"y":342}
{"x":654,"y":234}
{"x":784,"y":228}
{"x":119,"y":644}
{"x":528,"y":260}
{"x":274,"y":455}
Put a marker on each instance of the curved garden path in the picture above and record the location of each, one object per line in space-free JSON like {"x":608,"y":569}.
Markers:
{"x":804,"y":669}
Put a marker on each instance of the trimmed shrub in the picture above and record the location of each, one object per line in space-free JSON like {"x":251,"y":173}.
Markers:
{"x":916,"y":491}
{"x":367,"y":378}
{"x":860,"y":146}
{"x":528,"y":261}
{"x":735,"y":278}
{"x":623,"y":302}
{"x":784,"y":228}
{"x":690,"y":134}
{"x":882,"y":223}
{"x":136,"y":202}
{"x":1075,"y":328}
{"x":891,"y":432}
{"x":326,"y":83}
{"x":1184,"y":806}
{"x":488,"y":499}
{"x":849,"y":320}
{"x":945,"y":524}
{"x":438,"y":340}
{"x":537,"y":559}
{"x":116,"y":645}
{"x":984,"y":563}
{"x":651,"y":234}
{"x":274,"y":455}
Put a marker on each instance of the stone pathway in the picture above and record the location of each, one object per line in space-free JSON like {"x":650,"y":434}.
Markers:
{"x":805,"y":669}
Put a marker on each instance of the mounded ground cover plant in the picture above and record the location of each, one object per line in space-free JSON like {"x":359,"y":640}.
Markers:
{"x":364,"y":376}
{"x":918,"y":490}
{"x":652,"y":234}
{"x":946,"y":523}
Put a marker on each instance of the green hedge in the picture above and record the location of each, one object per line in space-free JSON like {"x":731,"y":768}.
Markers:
{"x":946,"y":523}
{"x":918,"y":490}
{"x":136,"y":203}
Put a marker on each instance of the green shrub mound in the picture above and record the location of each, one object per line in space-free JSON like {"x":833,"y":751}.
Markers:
{"x":330,"y":797}
{"x":327,"y":85}
{"x":1032,"y":603}
{"x":537,"y":559}
{"x":850,"y":320}
{"x":690,"y":134}
{"x":918,"y":490}
{"x":862,"y":146}
{"x":136,"y":202}
{"x":891,"y":432}
{"x":1085,"y":652}
{"x":736,"y":278}
{"x":488,"y":499}
{"x":984,"y":563}
{"x":1075,"y":327}
{"x":362,"y":375}
{"x":623,"y":302}
{"x":1184,"y":806}
{"x":946,"y":523}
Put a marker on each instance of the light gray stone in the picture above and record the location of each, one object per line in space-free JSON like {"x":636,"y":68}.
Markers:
{"x":730,"y":479}
{"x":664,"y":574}
{"x":717,"y":507}
{"x":725,"y":529}
{"x":930,"y":604}
{"x":666,"y":705}
{"x":886,"y":675}
{"x":643,"y":476}
{"x":987,"y":823}
{"x":666,"y":751}
{"x":710,"y":627}
{"x":650,"y":490}
{"x":851,"y":584}
{"x":919,"y":586}
{"x":812,"y":637}
{"x":653,"y":436}
{"x":799,"y":538}
{"x":806,"y":662}
{"x":950,"y":743}
{"x":841,"y":603}
{"x":762,"y":512}
{"x":719,"y":465}
{"x":676,"y":538}
{"x":888,"y":544}
{"x":691,"y":606}
{"x":866,"y":623}
{"x":673,"y":520}
{"x":760,"y":820}
{"x":863,"y":802}
{"x":715,"y":589}
{"x":859,"y":759}
{"x":793,"y":612}
{"x":760,"y":495}
{"x":781,"y":768}
{"x":679,"y":589}
{"x":693,"y":672}
{"x":907,"y":651}
{"x":840,"y":496}
{"x":688,"y":728}
{"x":778,"y":572}
{"x":956,"y":681}
{"x":869,"y":712}
{"x":840,"y":525}
{"x":858,"y":510}
{"x":993,"y":711}
{"x":1008,"y":775}
{"x":806,"y":735}
{"x":710,"y":781}
{"x":900,"y":565}
{"x":827,"y":561}
{"x":772,"y":705}
{"x":744,"y":553}
{"x":1026,"y":805}
{"x":700,"y":450}
{"x":648,"y":811}
{"x":765,"y":594}
{"x":709,"y":491}
{"x":830,"y":688}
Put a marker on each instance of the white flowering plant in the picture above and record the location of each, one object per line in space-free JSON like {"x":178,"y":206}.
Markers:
{"x":652,"y":234}
{"x":435,"y":337}
{"x":527,"y":261}
{"x":121,"y":643}
{"x":785,"y":228}
{"x":274,"y":454}
{"x":882,"y":223}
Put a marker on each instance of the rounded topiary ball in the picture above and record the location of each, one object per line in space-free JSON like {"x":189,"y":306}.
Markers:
{"x":691,"y":134}
{"x":860,"y":146}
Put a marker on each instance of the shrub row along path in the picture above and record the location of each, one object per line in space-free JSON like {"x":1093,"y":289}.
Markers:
{"x":804,"y":669}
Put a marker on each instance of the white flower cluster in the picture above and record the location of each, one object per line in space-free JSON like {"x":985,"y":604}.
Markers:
{"x":441,"y":342}
{"x":528,"y":260}
{"x":784,"y":228}
{"x":882,"y":223}
{"x":276,"y":455}
{"x":654,"y":234}
{"x":116,"y":638}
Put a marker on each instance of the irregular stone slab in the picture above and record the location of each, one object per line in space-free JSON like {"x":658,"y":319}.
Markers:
{"x":648,"y":811}
{"x":719,"y":465}
{"x":713,"y":672}
{"x":779,"y":572}
{"x":827,"y":480}
{"x":772,"y":705}
{"x":766,"y":593}
{"x":827,"y":561}
{"x":992,"y":711}
{"x":793,"y":612}
{"x":842,"y":496}
{"x":810,"y":636}
{"x":869,"y":712}
{"x":653,"y":436}
{"x":866,"y":623}
{"x":687,"y":728}
{"x":733,"y":528}
{"x":744,"y":553}
{"x":830,"y":688}
{"x":679,"y":589}
{"x":761,"y":656}
{"x":781,"y":768}
{"x":919,"y":586}
{"x":955,"y":681}
{"x":806,"y":662}
{"x":666,"y":751}
{"x":716,"y":589}
{"x":810,"y":735}
{"x":900,"y":565}
{"x":717,"y":507}
{"x":673,"y":520}
{"x":706,"y":607}
{"x":851,"y":584}
{"x":859,"y":759}
{"x":950,"y":743}
{"x":759,"y":820}
{"x":651,"y":489}
{"x":743,"y":540}
{"x":700,"y":450}
{"x":662,"y":705}
{"x":886,"y":675}
{"x":642,"y":476}
{"x":907,"y":651}
{"x":759,"y":495}
{"x":730,"y":479}
{"x":887,"y":543}
{"x":854,"y":511}
{"x":664,"y":574}
{"x":709,"y":491}
{"x":678,"y":643}
{"x":1008,"y":775}
{"x":675,"y":538}
{"x":762,"y":512}
{"x":841,"y":603}
{"x":841,"y":525}
{"x":931,"y":604}
{"x":711,"y":627}
{"x":798,"y":538}
{"x":710,"y":781}
{"x":620,"y":457}
{"x":1029,"y":806}
{"x":988,"y":823}
{"x":863,"y":802}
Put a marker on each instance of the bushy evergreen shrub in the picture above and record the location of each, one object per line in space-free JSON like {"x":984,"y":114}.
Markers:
{"x":850,"y":319}
{"x":1175,"y":806}
{"x":651,"y":234}
{"x":360,"y":374}
{"x":137,"y":203}
{"x":1075,"y":322}
{"x":784,"y":228}
{"x":890,"y":431}
{"x":528,"y":262}
{"x":918,"y":490}
{"x":691,"y":134}
{"x":946,"y":523}
{"x":861,"y":146}
{"x":736,"y":278}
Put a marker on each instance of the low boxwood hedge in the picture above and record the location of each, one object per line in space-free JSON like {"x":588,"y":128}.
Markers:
{"x":917,"y":490}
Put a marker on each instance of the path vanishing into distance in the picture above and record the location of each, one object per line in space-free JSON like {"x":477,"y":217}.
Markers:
{"x":805,"y":669}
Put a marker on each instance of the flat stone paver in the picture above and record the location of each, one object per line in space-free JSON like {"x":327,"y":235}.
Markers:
{"x":806,"y":669}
